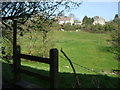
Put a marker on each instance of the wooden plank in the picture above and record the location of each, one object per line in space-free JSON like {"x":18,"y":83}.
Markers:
{"x":35,"y":58}
{"x":45,"y":78}
{"x":54,"y":68}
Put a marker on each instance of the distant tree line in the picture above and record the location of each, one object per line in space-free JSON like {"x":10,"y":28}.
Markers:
{"x":87,"y":25}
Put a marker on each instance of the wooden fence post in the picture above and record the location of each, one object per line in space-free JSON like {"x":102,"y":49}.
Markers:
{"x":14,"y":38}
{"x":14,"y":47}
{"x":18,"y":63}
{"x":53,"y":68}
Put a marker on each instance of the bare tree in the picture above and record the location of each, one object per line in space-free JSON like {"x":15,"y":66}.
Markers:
{"x":24,"y":10}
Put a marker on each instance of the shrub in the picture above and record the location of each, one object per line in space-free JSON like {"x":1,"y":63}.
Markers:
{"x":69,"y":27}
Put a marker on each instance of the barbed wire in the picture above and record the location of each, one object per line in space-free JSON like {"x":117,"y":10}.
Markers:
{"x":68,"y":59}
{"x":86,"y":68}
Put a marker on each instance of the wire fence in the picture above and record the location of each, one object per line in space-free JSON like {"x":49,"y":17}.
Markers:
{"x":77,"y":83}
{"x":79,"y":65}
{"x":86,"y":68}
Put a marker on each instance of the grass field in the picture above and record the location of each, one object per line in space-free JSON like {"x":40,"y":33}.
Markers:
{"x":85,"y":50}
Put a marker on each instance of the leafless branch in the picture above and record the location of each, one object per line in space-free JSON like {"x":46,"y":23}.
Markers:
{"x":7,"y":25}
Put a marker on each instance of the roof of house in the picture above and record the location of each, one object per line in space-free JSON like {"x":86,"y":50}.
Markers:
{"x":98,"y":18}
{"x":64,"y":18}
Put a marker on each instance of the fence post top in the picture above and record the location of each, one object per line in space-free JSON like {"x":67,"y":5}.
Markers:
{"x":54,"y":49}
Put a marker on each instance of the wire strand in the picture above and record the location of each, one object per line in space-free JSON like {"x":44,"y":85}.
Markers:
{"x":83,"y":66}
{"x":77,"y":79}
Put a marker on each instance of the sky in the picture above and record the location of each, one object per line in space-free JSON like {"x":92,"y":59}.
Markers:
{"x":103,"y":8}
{"x":106,"y":10}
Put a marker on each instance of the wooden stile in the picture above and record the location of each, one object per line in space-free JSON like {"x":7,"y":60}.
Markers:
{"x":53,"y":61}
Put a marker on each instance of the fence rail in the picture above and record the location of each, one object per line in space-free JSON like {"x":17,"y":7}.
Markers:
{"x":52,"y":61}
{"x":35,"y":58}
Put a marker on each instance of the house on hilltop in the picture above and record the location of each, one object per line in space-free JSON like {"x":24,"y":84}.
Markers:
{"x":77,"y":22}
{"x":98,"y":20}
{"x":65,"y":19}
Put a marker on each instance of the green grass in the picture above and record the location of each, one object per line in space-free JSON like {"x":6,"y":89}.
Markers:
{"x":83,"y":48}
{"x":86,"y":49}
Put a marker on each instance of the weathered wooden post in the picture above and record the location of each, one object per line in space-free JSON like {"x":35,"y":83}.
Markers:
{"x":53,"y":68}
{"x":15,"y":48}
{"x":18,"y":63}
{"x":14,"y":38}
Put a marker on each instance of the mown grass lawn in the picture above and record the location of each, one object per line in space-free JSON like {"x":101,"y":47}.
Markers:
{"x":84,"y":49}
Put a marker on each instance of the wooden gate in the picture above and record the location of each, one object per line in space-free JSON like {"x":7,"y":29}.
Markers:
{"x":52,"y":61}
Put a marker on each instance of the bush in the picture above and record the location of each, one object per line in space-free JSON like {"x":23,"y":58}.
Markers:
{"x":100,"y":28}
{"x":6,"y":49}
{"x":7,"y":74}
{"x":69,"y":27}
{"x":109,"y":27}
{"x":97,"y":28}
{"x":114,"y":40}
{"x":93,"y":28}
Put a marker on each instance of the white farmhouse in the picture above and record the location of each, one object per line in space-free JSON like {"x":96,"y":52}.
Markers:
{"x":77,"y":22}
{"x":98,"y":20}
{"x":64,"y":19}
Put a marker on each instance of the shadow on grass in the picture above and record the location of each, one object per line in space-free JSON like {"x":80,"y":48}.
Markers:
{"x":67,"y":80}
{"x":111,"y":49}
